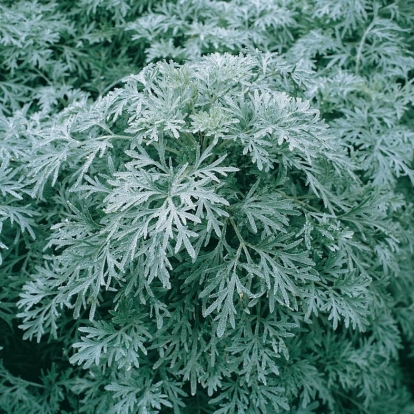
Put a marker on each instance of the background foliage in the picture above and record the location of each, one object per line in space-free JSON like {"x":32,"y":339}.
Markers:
{"x":229,"y":232}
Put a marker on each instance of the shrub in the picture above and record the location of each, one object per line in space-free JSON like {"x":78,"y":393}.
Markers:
{"x":225,"y":234}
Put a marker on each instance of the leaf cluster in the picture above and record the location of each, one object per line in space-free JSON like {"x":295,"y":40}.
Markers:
{"x":227,"y":232}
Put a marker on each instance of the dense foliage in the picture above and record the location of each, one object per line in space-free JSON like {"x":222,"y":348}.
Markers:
{"x":227,"y":231}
